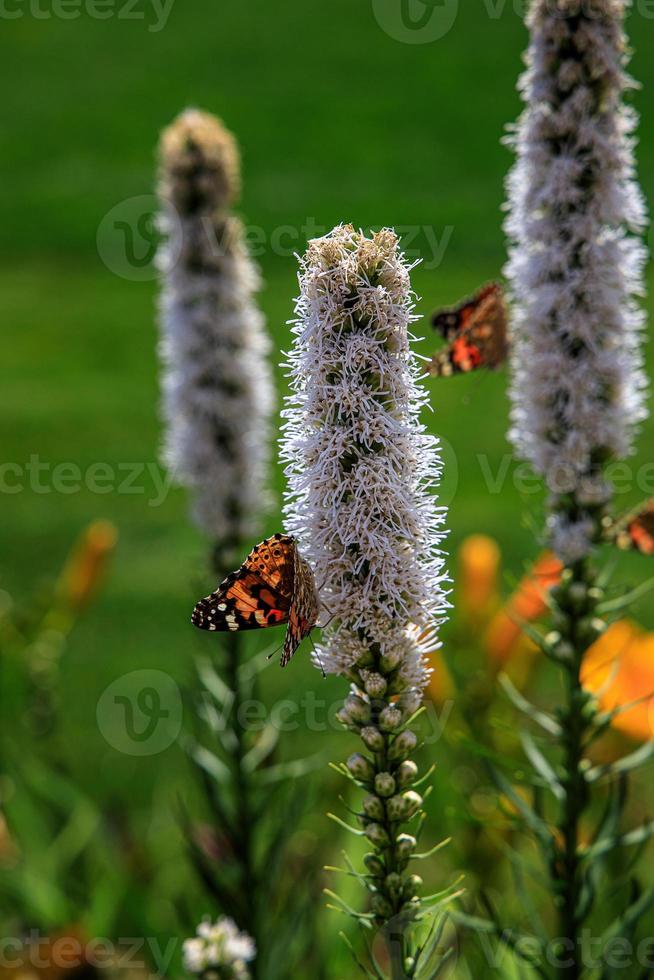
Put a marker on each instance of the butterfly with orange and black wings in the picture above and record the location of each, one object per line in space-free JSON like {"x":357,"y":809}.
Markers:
{"x":476,"y":332}
{"x":635,"y":532}
{"x":274,"y":586}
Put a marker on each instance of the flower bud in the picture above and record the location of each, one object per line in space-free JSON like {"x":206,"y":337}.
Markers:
{"x":405,"y":845}
{"x":382,"y":907}
{"x":578,"y":595}
{"x":357,"y":709}
{"x":412,"y":886}
{"x":384,"y":784}
{"x":402,"y":807}
{"x":390,"y":718}
{"x":372,"y":738}
{"x":377,"y":835}
{"x":343,"y":716}
{"x":360,"y":767}
{"x":402,"y":746}
{"x":374,"y":684}
{"x":393,"y":884}
{"x":374,"y":808}
{"x":373,"y":864}
{"x":411,"y":909}
{"x":564,"y":651}
{"x":366,"y":659}
{"x":591,"y":629}
{"x":406,"y":773}
{"x":397,"y":684}
{"x":390,"y":661}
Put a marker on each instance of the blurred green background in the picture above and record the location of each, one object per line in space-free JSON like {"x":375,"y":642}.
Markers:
{"x":338,"y":121}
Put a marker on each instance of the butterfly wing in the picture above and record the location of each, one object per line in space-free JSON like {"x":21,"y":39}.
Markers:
{"x":304,"y":611}
{"x":258,"y":595}
{"x":637,"y":533}
{"x":454,"y":320}
{"x":477,"y":332}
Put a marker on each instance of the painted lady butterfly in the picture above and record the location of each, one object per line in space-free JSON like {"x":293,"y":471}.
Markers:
{"x":636,"y":531}
{"x":274,"y":585}
{"x":476,"y":331}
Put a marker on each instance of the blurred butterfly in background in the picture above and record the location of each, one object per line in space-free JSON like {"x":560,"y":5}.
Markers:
{"x":476,"y":332}
{"x":635,"y":532}
{"x":273,"y":586}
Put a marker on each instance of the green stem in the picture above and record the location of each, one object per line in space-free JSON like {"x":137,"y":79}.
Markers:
{"x":242,"y":835}
{"x":577,"y":604}
{"x":243,"y":843}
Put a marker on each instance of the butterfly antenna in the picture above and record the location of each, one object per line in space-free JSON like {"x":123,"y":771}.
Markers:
{"x":331,"y":619}
{"x":275,"y":651}
{"x":315,"y":650}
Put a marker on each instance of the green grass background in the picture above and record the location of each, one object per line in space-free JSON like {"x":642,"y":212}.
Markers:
{"x":337,"y":121}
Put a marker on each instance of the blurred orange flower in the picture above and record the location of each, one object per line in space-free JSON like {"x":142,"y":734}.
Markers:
{"x":528,"y":603}
{"x":86,"y":564}
{"x":479,"y":562}
{"x":479,"y":568}
{"x":619,"y":670}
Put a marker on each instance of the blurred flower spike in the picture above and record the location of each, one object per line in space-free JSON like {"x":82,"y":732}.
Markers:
{"x":219,"y":951}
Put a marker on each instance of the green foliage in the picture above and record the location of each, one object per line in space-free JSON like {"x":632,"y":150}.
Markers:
{"x":244,"y":848}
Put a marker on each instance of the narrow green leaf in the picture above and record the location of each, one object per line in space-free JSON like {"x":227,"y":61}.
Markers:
{"x":346,"y":826}
{"x":537,"y":825}
{"x":291,"y":770}
{"x":213,"y":682}
{"x":546,"y":722}
{"x":627,"y":764}
{"x":432,"y":851}
{"x":342,"y":906}
{"x":542,"y":766}
{"x":364,"y":969}
{"x":262,"y":749}
{"x":624,"y":601}
{"x":629,"y":918}
{"x":630,"y":839}
{"x":211,"y":764}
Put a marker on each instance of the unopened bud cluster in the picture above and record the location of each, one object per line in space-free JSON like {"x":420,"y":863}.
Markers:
{"x":387,"y":773}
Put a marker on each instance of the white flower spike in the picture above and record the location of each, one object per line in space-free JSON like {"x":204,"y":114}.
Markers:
{"x":579,"y":392}
{"x":360,"y":465}
{"x":218,"y":393}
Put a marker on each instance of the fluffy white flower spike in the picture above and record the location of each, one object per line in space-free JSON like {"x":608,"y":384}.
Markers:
{"x":359,"y":462}
{"x":219,"y":951}
{"x":217,"y":385}
{"x":578,"y":389}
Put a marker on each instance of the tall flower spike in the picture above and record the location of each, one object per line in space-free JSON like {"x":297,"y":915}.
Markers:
{"x":359,"y":462}
{"x":360,"y":468}
{"x":578,"y":397}
{"x":578,"y":385}
{"x":217,"y":385}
